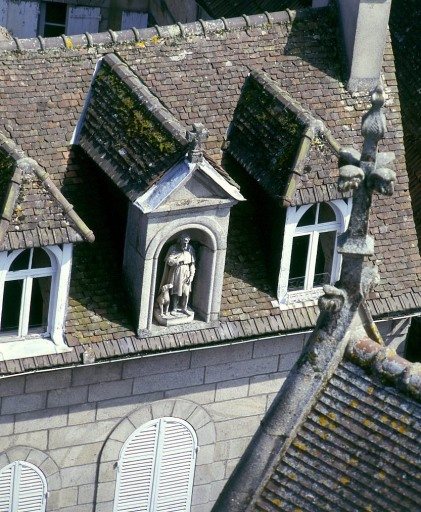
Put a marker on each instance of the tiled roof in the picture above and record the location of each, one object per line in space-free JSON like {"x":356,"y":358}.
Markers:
{"x":405,"y":21}
{"x":218,"y":8}
{"x":127,"y":131}
{"x":197,"y":71}
{"x":289,"y":152}
{"x":33,"y":211}
{"x":358,"y":448}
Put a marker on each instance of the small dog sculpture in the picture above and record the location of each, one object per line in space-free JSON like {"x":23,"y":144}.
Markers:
{"x":163,"y":299}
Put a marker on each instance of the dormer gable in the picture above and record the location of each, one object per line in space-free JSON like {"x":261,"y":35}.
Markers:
{"x":174,"y":192}
{"x":189,"y":185}
{"x":38,"y":227}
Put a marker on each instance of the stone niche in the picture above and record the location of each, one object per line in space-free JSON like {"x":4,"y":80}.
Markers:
{"x":193,"y":199}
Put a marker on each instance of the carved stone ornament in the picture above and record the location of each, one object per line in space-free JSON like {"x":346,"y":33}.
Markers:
{"x":171,"y":304}
{"x":382,"y":181}
{"x":332,"y":300}
{"x":350,"y":177}
{"x":197,"y":136}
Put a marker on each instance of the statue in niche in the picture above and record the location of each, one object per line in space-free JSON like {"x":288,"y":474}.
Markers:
{"x":171,"y":306}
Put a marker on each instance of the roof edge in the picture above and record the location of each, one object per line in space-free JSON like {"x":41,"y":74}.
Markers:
{"x":154,"y":34}
{"x":386,"y":364}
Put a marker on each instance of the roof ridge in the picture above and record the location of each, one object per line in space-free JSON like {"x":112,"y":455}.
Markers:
{"x":151,"y":102}
{"x":156,"y":33}
{"x":22,"y":164}
{"x":387,"y":364}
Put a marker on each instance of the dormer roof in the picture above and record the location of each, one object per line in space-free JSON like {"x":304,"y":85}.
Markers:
{"x":127,"y":131}
{"x":284,"y":147}
{"x":34,"y":212}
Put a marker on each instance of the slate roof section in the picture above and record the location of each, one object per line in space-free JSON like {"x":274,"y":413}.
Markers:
{"x":405,"y":20}
{"x":127,"y":131}
{"x":283,"y":146}
{"x":34,"y":213}
{"x":219,"y":8}
{"x":358,"y":448}
{"x":197,"y":71}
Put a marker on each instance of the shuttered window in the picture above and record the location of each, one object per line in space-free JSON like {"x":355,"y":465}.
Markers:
{"x":131,"y":19}
{"x":156,"y":468}
{"x":83,"y":19}
{"x":23,"y":488}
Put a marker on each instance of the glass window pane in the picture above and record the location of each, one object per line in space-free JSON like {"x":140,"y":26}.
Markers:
{"x":40,"y":259}
{"x":54,"y":30}
{"x":309,"y":218}
{"x":297,"y":270}
{"x":12,"y":298}
{"x":21,"y":262}
{"x":324,"y":259}
{"x":40,"y":301}
{"x":326,"y":213}
{"x":55,"y":12}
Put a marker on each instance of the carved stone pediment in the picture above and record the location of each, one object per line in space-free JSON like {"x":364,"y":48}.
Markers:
{"x":189,"y":185}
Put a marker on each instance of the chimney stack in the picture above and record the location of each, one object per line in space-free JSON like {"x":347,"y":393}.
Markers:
{"x":364,"y":28}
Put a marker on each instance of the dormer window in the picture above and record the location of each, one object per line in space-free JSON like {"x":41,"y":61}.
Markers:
{"x":33,"y":296}
{"x":27,"y":292}
{"x":309,"y":257}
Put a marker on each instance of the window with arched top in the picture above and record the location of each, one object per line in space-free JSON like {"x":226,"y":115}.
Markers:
{"x":33,"y":295}
{"x":23,"y":488}
{"x":27,"y":293}
{"x":156,"y":468}
{"x":309,"y":256}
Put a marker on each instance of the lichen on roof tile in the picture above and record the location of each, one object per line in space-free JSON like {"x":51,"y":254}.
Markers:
{"x":127,"y":131}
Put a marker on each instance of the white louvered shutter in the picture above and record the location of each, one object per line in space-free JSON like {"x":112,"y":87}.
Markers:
{"x":83,"y":19}
{"x":156,"y":468}
{"x":135,"y":470}
{"x":176,"y":467}
{"x":3,"y":13}
{"x":23,"y":488}
{"x":134,"y":19}
{"x":6,"y":486}
{"x":22,"y":18}
{"x":32,"y":490}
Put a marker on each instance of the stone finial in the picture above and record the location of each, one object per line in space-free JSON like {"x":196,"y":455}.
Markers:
{"x":197,"y":136}
{"x":365,"y":175}
{"x":373,"y":126}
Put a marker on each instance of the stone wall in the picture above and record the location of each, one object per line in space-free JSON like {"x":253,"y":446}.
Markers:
{"x":72,"y":423}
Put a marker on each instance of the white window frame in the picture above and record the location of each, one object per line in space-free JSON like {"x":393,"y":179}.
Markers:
{"x":15,"y":477}
{"x":61,"y":261}
{"x":156,"y":465}
{"x":342,"y":209}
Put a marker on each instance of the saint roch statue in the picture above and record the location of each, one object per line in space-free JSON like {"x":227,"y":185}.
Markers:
{"x":177,"y":280}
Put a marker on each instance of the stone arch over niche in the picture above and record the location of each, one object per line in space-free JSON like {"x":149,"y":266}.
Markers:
{"x":186,"y":410}
{"x":207,"y":286}
{"x":39,"y":459}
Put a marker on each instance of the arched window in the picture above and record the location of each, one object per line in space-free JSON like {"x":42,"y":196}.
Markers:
{"x":23,"y":488}
{"x":309,"y":257}
{"x":27,"y":293}
{"x":156,"y":468}
{"x":34,"y":286}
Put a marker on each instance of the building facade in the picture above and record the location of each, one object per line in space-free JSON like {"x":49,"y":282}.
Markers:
{"x":157,"y":323}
